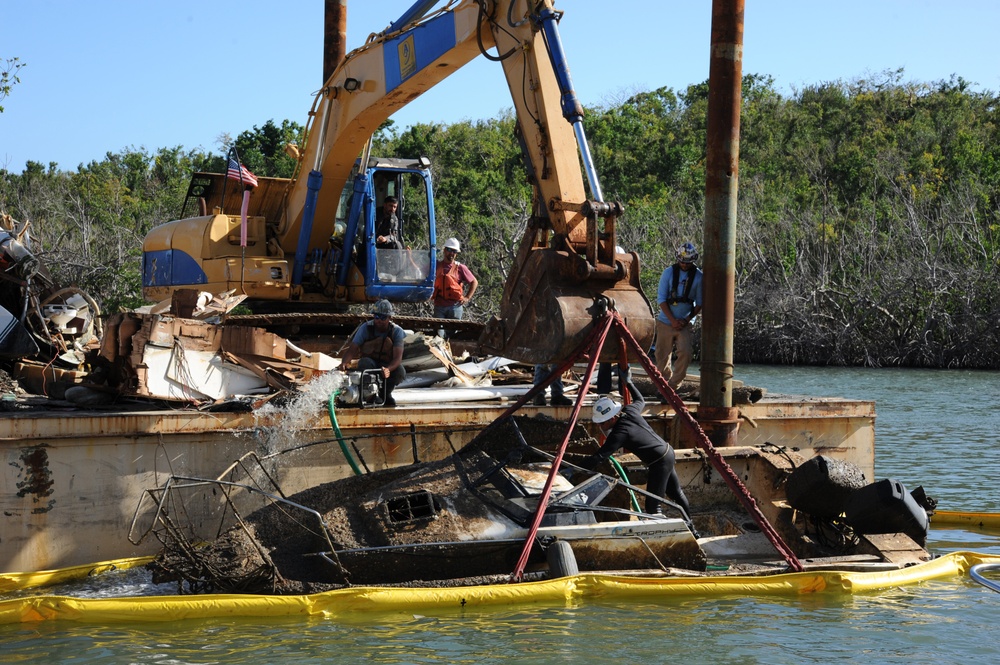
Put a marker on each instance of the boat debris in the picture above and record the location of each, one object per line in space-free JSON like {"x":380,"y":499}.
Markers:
{"x":463,"y":520}
{"x":46,"y":330}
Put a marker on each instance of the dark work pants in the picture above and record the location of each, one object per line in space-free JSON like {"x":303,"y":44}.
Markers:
{"x":663,"y":481}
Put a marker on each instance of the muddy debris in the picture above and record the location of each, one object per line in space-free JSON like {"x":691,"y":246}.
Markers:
{"x":396,"y":526}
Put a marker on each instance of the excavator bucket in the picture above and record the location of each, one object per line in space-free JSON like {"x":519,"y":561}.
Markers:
{"x":550,"y":305}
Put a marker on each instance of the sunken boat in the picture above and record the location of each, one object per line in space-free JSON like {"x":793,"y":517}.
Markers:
{"x":468,"y":519}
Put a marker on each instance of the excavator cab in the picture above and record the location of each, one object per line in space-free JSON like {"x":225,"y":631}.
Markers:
{"x":312,"y":243}
{"x":386,"y":218}
{"x":343,"y":264}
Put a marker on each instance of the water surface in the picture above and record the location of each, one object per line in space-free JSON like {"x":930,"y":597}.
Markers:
{"x":934,"y":428}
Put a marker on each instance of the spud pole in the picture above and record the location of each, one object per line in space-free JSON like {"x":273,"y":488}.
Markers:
{"x":716,"y":412}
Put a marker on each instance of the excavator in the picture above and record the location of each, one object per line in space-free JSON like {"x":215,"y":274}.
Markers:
{"x":309,"y":243}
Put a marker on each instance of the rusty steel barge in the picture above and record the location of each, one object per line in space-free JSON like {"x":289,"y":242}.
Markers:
{"x":72,"y":479}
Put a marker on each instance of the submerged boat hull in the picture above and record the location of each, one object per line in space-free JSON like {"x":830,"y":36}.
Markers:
{"x":605,"y":546}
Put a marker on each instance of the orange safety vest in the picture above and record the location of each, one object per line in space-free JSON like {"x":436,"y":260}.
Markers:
{"x":447,"y":285}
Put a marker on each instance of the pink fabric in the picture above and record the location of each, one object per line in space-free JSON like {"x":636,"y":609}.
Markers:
{"x":243,"y":217}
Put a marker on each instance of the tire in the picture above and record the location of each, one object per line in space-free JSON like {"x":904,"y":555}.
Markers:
{"x":562,"y":561}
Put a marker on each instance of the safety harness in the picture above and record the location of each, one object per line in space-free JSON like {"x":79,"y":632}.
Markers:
{"x":685,"y":297}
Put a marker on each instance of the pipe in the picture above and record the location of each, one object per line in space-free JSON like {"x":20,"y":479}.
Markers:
{"x":315,"y":182}
{"x":571,"y":107}
{"x":721,"y":184}
{"x":977,"y":574}
{"x":313,"y":185}
{"x":354,"y":221}
{"x":416,"y":12}
{"x":334,"y":36}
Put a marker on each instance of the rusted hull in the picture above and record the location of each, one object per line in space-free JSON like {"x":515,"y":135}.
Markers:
{"x":70,"y":482}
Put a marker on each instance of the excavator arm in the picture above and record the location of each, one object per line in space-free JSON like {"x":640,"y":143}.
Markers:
{"x":396,"y":67}
{"x":567,"y":268}
{"x":567,"y":263}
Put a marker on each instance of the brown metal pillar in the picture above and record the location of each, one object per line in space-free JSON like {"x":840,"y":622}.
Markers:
{"x":334,"y":36}
{"x":715,"y":412}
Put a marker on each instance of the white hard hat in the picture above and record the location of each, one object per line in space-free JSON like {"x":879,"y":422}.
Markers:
{"x":452,"y":243}
{"x":605,"y":409}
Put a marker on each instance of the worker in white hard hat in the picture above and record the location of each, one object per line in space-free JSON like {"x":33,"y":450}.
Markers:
{"x":378,"y":344}
{"x":454,"y":283}
{"x":624,"y":427}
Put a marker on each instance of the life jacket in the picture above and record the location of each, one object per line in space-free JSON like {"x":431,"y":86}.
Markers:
{"x":674,"y":298}
{"x":447,"y":285}
{"x":376,"y":347}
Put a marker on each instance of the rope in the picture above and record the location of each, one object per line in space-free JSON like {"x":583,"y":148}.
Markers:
{"x":596,"y":340}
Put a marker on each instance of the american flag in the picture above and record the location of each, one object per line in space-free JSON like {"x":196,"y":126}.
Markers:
{"x":239,"y":172}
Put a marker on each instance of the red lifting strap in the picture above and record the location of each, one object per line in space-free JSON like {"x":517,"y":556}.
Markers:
{"x":595,"y":341}
{"x":717,"y":460}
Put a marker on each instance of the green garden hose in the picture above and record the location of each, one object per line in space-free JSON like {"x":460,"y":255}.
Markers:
{"x":621,"y":474}
{"x":340,"y":436}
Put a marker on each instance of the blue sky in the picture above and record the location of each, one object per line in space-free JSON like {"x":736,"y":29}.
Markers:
{"x":105,"y":75}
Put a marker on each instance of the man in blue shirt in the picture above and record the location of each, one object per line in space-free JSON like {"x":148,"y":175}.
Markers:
{"x":379,"y":344}
{"x":679,"y":301}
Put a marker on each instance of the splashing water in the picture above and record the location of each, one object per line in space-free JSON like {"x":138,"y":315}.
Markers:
{"x":278,"y":425}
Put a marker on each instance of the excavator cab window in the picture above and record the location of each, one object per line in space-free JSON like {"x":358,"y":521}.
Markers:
{"x":407,"y":257}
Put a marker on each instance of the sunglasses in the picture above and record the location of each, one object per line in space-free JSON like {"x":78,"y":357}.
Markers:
{"x":381,"y":317}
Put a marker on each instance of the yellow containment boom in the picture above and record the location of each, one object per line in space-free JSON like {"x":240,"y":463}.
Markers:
{"x":563,"y":592}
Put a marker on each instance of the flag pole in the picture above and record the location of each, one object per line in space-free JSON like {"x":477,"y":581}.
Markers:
{"x":234,"y":156}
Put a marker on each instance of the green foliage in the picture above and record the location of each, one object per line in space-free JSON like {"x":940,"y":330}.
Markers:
{"x":9,"y":77}
{"x":262,"y":149}
{"x":868,"y":217}
{"x":87,"y":226}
